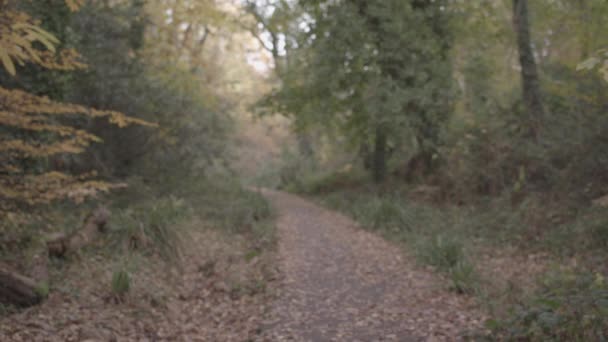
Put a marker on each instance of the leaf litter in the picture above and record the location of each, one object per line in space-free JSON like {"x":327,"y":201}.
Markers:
{"x":215,"y":294}
{"x":335,"y":283}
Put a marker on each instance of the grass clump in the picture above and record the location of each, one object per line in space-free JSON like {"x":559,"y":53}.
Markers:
{"x":121,"y":283}
{"x":464,"y":278}
{"x":152,"y":225}
{"x":446,"y":254}
{"x":387,"y":214}
{"x":442,"y":251}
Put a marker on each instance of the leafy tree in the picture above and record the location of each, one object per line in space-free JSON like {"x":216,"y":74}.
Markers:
{"x":35,"y":128}
{"x":375,"y":70}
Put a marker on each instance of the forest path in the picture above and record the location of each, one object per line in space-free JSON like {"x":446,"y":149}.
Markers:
{"x":345,"y":284}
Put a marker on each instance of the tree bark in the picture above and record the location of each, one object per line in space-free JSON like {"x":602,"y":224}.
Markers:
{"x":94,"y":224}
{"x":534,"y":108}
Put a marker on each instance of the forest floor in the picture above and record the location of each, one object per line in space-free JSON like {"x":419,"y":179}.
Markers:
{"x":341,"y":283}
{"x":217,"y":292}
{"x":329,"y":280}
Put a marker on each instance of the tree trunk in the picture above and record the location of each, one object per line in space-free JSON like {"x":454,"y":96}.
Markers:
{"x":366,"y":156}
{"x":94,"y":224}
{"x":17,"y":289}
{"x":379,"y":167}
{"x":530,"y":81}
{"x":585,"y":22}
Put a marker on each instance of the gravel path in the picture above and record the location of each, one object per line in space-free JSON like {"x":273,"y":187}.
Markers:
{"x":345,"y":284}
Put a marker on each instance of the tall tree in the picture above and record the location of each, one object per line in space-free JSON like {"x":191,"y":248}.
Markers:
{"x":532,"y":98}
{"x":378,"y":70}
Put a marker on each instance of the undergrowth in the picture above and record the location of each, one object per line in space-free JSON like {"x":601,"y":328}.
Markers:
{"x":146,"y":223}
{"x":563,"y":305}
{"x":426,"y":231}
{"x":220,"y":203}
{"x":569,"y":306}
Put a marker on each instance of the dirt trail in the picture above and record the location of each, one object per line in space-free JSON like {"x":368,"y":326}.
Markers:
{"x":344,"y":284}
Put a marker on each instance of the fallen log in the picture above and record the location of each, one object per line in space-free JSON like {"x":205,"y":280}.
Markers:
{"x":17,"y":289}
{"x":60,"y":244}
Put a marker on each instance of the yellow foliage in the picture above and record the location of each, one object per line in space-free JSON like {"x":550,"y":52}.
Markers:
{"x":74,"y":5}
{"x":23,"y":41}
{"x":18,"y":35}
{"x":50,"y":186}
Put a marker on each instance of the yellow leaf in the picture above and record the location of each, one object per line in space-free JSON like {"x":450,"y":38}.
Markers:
{"x":7,"y":62}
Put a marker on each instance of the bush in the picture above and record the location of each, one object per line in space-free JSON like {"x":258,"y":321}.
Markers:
{"x":568,"y":307}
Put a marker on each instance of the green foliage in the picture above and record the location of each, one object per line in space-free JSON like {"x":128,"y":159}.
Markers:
{"x":121,"y":283}
{"x":43,"y":289}
{"x":384,"y":213}
{"x":152,"y":224}
{"x":587,"y":232}
{"x":295,"y":171}
{"x":568,"y":307}
{"x":598,"y":62}
{"x":443,"y":252}
{"x":193,"y":124}
{"x":376,"y":72}
{"x":447,"y":254}
{"x":35,"y":129}
{"x":227,"y":205}
{"x":464,"y":278}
